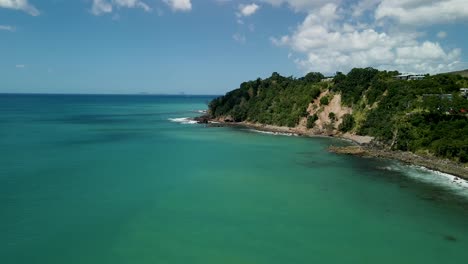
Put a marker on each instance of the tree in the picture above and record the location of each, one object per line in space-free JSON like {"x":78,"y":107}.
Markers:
{"x":313,"y":77}
{"x":311,"y":121}
{"x":347,"y":124}
{"x":324,"y":100}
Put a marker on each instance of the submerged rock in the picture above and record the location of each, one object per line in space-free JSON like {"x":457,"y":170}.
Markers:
{"x":450,"y":238}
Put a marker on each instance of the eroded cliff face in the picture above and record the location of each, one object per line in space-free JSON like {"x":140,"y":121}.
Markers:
{"x":324,"y":124}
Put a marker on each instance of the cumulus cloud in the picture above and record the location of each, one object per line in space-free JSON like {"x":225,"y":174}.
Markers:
{"x":179,"y":5}
{"x":419,"y":12}
{"x":333,"y":37}
{"x":106,"y":6}
{"x":325,"y":42}
{"x":7,"y":28}
{"x":248,"y":10}
{"x":22,"y":5}
{"x":132,"y":4}
{"x":100,"y":7}
{"x":364,"y":6}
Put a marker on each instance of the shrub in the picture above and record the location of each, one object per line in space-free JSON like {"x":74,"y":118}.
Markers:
{"x":311,"y":121}
{"x":347,"y":124}
{"x":324,"y":100}
{"x":315,"y":93}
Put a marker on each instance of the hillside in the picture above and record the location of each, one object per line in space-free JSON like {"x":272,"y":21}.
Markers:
{"x":426,"y":116}
{"x":463,"y":73}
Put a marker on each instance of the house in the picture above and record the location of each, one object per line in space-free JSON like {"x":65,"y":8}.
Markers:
{"x":409,"y":76}
{"x":416,"y":77}
{"x":327,"y":79}
{"x":464,"y":92}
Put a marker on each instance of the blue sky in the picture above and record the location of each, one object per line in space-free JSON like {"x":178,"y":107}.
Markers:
{"x":211,"y":46}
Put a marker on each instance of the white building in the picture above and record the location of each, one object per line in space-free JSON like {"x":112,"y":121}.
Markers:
{"x":327,"y":79}
{"x":464,"y":92}
{"x":409,"y":76}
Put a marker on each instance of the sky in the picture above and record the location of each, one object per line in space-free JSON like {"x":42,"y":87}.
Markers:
{"x":211,"y":46}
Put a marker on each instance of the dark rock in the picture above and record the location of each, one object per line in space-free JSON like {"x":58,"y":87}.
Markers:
{"x":202,"y":119}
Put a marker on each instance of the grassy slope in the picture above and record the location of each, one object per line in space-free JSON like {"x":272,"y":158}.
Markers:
{"x":463,"y":73}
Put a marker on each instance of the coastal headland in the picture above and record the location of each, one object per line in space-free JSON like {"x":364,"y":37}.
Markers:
{"x":420,"y":120}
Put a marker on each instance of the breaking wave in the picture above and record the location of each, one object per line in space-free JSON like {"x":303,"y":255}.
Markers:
{"x":273,"y":133}
{"x":444,"y":180}
{"x":183,"y":120}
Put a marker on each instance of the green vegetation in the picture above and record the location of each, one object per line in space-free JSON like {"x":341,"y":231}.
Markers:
{"x":324,"y":100}
{"x":332,"y":116}
{"x":276,"y":100}
{"x":347,"y":124}
{"x":311,"y":121}
{"x":463,"y":73}
{"x":427,"y":116}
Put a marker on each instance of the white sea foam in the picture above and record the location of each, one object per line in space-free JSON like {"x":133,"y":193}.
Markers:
{"x":201,"y":111}
{"x":183,"y":120}
{"x":446,"y":181}
{"x":273,"y":133}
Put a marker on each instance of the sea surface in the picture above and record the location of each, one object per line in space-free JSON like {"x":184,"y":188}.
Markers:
{"x":125,"y":179}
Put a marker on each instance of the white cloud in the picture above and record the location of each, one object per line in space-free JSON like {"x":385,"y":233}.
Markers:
{"x":179,"y":5}
{"x":100,"y":7}
{"x":240,"y":38}
{"x":364,"y":6}
{"x":20,"y":66}
{"x":326,"y":41}
{"x":7,"y":28}
{"x":442,"y":34}
{"x":22,"y":5}
{"x":107,"y":6}
{"x":132,"y":4}
{"x":302,"y":5}
{"x":248,"y":10}
{"x":422,"y":12}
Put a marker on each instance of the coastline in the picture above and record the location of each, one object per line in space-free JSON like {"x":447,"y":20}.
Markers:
{"x":361,"y":146}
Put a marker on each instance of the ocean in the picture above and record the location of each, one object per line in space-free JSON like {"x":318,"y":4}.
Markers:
{"x":128,"y":179}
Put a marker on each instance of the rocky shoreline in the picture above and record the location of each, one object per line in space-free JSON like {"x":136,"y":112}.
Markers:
{"x":362,"y":146}
{"x":429,"y":162}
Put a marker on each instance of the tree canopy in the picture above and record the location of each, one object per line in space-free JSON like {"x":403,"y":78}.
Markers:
{"x":428,"y":115}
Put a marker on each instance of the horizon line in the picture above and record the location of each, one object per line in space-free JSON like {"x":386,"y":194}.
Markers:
{"x":133,"y":94}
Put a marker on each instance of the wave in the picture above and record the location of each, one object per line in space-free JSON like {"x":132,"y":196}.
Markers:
{"x":201,"y":111}
{"x":273,"y":133}
{"x":445,"y":180}
{"x":183,"y":120}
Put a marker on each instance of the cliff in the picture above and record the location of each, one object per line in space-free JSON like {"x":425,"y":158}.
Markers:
{"x":427,"y":117}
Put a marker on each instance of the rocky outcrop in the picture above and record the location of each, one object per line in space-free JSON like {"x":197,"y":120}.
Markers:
{"x":348,"y":150}
{"x":204,"y":119}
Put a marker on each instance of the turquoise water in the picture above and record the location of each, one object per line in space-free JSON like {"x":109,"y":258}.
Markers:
{"x":110,"y":179}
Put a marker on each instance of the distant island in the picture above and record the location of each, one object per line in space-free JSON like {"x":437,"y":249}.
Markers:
{"x":420,"y":119}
